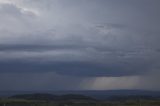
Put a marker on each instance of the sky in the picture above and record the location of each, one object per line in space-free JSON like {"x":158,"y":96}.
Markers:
{"x":79,"y":44}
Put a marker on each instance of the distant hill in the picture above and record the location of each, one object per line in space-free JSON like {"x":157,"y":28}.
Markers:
{"x":36,"y":96}
{"x":50,"y":97}
{"x":98,"y":94}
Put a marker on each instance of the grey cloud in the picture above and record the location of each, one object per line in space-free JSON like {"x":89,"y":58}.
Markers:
{"x":38,"y":81}
{"x":78,"y":68}
{"x":28,"y":47}
{"x":80,"y":38}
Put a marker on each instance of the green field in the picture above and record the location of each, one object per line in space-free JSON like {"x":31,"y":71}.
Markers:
{"x":20,"y":102}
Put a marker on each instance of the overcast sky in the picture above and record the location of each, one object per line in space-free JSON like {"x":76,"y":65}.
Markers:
{"x":79,"y":44}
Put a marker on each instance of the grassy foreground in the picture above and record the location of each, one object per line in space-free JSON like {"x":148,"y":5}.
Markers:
{"x":21,"y":102}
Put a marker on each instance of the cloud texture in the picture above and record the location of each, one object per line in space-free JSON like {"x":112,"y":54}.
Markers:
{"x":93,"y":40}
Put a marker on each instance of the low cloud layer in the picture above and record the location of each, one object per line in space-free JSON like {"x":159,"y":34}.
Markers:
{"x":99,"y":40}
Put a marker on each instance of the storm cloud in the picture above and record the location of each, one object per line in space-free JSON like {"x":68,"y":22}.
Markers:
{"x":93,"y":40}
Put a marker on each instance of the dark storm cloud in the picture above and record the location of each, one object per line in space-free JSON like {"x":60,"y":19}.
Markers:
{"x":73,"y":68}
{"x":95,"y":44}
{"x":82,"y":38}
{"x":88,"y":68}
{"x":38,"y":81}
{"x":22,"y":47}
